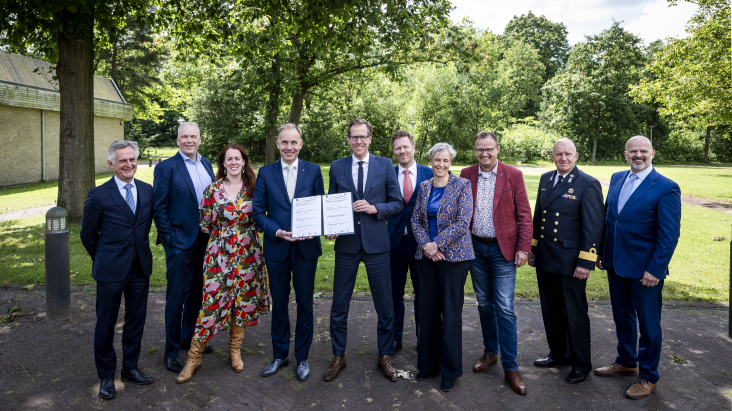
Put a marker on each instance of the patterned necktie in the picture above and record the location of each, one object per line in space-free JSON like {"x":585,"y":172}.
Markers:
{"x":360,"y":180}
{"x":408,"y":190}
{"x":626,"y":191}
{"x":129,"y":198}
{"x":290,"y":182}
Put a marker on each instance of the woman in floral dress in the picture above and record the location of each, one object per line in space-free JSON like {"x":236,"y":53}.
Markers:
{"x":235,"y":288}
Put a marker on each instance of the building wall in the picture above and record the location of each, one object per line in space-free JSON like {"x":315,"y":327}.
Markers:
{"x":20,"y":139}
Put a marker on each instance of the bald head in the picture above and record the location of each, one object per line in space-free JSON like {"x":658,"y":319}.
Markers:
{"x":565,"y":144}
{"x":639,"y":153}
{"x":564,"y":155}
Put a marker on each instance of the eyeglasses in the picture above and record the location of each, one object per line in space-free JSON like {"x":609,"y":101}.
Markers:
{"x":484,"y":150}
{"x":187,"y":137}
{"x":356,"y":138}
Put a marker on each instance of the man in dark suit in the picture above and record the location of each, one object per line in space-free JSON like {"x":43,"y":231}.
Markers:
{"x":642,"y":228}
{"x":373,"y":184}
{"x":403,"y":244}
{"x":567,"y":231}
{"x":286,"y":257}
{"x":179,"y":185}
{"x":115,"y":232}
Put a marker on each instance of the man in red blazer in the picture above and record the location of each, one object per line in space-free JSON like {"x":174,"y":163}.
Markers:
{"x":501,"y":229}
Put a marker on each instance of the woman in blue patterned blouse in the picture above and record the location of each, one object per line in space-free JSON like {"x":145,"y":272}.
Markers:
{"x":441,"y":222}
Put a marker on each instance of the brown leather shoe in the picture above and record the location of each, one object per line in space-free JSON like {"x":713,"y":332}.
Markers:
{"x":615,"y":369}
{"x":335,"y":368}
{"x":517,"y":383}
{"x":484,"y":362}
{"x":642,"y":388}
{"x":388,"y":368}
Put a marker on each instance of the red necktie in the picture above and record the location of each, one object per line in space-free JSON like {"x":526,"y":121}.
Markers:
{"x":408,"y":190}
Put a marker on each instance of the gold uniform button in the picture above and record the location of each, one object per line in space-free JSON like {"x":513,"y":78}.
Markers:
{"x":555,"y":230}
{"x":555,"y":240}
{"x":557,"y":214}
{"x":542,"y":236}
{"x":544,"y":211}
{"x":556,"y":223}
{"x":543,"y":219}
{"x":542,"y":227}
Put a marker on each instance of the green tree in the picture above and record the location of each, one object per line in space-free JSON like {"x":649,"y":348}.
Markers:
{"x":64,"y":32}
{"x":549,"y":38}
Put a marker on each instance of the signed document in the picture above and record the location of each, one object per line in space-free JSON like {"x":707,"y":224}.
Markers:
{"x":307,"y":217}
{"x":337,"y":214}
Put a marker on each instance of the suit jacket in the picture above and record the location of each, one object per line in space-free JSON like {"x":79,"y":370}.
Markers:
{"x":567,"y":222}
{"x":643,"y":236}
{"x":453,"y":220}
{"x":273,"y":210}
{"x":396,"y":223}
{"x":111,"y":233}
{"x":381,"y":190}
{"x":177,"y":212}
{"x":511,"y":209}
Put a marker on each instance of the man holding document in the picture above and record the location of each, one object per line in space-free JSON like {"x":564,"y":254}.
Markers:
{"x":278,"y":185}
{"x":372,"y":183}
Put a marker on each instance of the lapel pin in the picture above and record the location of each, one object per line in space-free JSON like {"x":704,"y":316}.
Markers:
{"x":570,"y":191}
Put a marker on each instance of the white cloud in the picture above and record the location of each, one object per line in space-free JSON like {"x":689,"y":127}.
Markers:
{"x":660,"y":21}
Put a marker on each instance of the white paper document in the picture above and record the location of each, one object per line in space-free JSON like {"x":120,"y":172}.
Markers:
{"x":307,"y":217}
{"x":337,"y":214}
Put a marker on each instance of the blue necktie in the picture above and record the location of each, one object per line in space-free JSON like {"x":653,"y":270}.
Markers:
{"x":626,"y":191}
{"x":129,"y":198}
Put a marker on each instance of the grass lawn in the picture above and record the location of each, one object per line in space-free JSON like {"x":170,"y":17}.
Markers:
{"x":699,"y":269}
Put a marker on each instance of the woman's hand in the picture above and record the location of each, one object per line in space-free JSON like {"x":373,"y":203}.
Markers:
{"x":438,"y":256}
{"x":430,"y":249}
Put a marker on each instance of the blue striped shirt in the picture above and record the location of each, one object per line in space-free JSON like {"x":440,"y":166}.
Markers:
{"x":200,"y":177}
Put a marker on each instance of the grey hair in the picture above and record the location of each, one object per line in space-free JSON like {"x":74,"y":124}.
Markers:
{"x":189,"y":123}
{"x":119,"y":144}
{"x":289,"y":126}
{"x":442,"y":147}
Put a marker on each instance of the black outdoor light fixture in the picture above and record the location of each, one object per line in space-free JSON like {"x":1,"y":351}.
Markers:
{"x":58,"y":269}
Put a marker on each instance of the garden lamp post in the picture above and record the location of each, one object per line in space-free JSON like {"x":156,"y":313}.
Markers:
{"x":650,"y":127}
{"x":58,"y":282}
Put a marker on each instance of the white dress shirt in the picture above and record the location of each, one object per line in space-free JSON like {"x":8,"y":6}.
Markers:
{"x":294,"y":169}
{"x":641,"y":176}
{"x":413,"y":176}
{"x":122,"y":190}
{"x":556,"y":177}
{"x":354,"y":169}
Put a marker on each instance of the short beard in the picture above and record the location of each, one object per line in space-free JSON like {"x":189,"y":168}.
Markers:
{"x":635,"y":168}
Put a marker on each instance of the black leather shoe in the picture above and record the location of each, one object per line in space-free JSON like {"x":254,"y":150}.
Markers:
{"x":447,"y":386}
{"x":422,"y":376}
{"x":271,"y":368}
{"x":173,"y":364}
{"x":547,"y":362}
{"x":187,"y":346}
{"x":397,"y":345}
{"x":136,"y":377}
{"x":106,"y":389}
{"x":303,"y":370}
{"x":576,"y":377}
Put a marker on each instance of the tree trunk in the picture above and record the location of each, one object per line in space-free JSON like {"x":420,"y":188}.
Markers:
{"x":706,"y":144}
{"x":76,"y":152}
{"x":296,"y":109}
{"x":273,"y":108}
{"x":594,"y":148}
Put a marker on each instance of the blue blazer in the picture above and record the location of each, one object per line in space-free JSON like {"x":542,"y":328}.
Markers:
{"x":381,"y":190}
{"x":643,"y":236}
{"x":110,"y":232}
{"x":273,"y":210}
{"x":396,"y":223}
{"x":176,"y":206}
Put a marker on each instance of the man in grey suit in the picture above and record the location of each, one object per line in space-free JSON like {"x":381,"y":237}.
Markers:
{"x":374,"y":186}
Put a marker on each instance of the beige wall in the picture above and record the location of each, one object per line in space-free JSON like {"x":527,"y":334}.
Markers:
{"x":20,"y":139}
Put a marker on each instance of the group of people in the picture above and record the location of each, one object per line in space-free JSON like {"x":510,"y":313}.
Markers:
{"x":409,"y":219}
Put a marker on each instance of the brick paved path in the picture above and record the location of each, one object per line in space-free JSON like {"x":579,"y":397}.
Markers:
{"x":48,"y":364}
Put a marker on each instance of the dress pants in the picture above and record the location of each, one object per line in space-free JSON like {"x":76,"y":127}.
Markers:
{"x":184,"y":294}
{"x":303,"y":283}
{"x":442,"y":294}
{"x":344,"y":279}
{"x":633,"y":303}
{"x":134,"y":287}
{"x":402,"y":260}
{"x":567,"y":324}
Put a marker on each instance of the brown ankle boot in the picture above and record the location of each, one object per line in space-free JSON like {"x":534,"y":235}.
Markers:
{"x":193,"y":363}
{"x":236,"y":335}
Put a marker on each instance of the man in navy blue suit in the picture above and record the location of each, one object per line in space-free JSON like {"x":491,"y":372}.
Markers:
{"x":642,"y":228}
{"x":115,"y":232}
{"x":373,"y":185}
{"x":401,"y":237}
{"x":286,"y":257}
{"x":179,"y":185}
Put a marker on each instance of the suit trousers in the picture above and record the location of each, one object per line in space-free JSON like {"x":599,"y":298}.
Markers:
{"x":303,"y":283}
{"x":402,"y":261}
{"x":566,"y":321}
{"x":344,"y":279}
{"x":134,"y":287}
{"x":442,"y":294}
{"x":184,"y":294}
{"x":633,"y":303}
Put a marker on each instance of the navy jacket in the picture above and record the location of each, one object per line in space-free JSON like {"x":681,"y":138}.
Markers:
{"x":273,"y":210}
{"x":110,"y":232}
{"x":177,"y":212}
{"x":397,"y":222}
{"x":643,"y":236}
{"x":381,"y":190}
